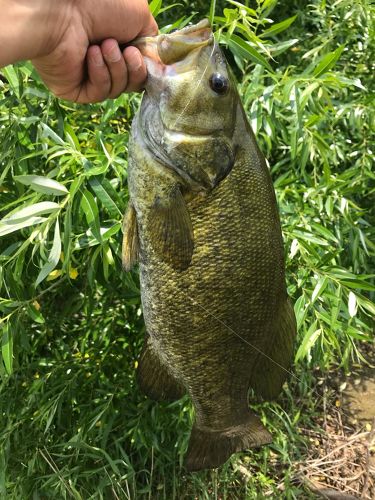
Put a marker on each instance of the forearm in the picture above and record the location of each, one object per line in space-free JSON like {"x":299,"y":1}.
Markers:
{"x":25,"y":28}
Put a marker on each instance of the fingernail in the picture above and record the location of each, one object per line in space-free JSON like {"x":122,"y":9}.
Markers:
{"x":114,"y":55}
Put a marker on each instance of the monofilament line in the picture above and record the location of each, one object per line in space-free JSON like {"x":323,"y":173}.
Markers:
{"x":196,"y":89}
{"x":254,"y":347}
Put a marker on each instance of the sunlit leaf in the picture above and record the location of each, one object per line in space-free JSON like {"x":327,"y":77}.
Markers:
{"x":7,"y":346}
{"x":91,"y":212}
{"x":327,"y":62}
{"x":42,"y":184}
{"x":53,"y":258}
{"x":239,"y":46}
{"x":277,"y":28}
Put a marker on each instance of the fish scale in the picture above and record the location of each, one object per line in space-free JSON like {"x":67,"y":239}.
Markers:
{"x":211,"y":260}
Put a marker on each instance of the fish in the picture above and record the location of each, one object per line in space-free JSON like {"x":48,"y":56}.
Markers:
{"x":203,"y":225}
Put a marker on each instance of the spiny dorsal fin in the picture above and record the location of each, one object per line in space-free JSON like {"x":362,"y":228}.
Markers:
{"x":171,"y":230}
{"x":130,"y":244}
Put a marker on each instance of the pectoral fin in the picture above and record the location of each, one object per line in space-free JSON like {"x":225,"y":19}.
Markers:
{"x":172,"y":231}
{"x":130,"y":238}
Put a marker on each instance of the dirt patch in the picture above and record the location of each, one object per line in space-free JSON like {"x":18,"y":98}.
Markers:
{"x":341,"y":463}
{"x":358,"y":396}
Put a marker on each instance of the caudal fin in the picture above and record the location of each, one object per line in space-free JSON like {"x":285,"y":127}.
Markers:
{"x":211,"y":448}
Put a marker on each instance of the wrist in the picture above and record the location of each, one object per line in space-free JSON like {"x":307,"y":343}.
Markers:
{"x":29,"y":29}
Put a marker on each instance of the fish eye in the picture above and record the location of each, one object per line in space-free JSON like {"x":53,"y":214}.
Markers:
{"x":219,"y":83}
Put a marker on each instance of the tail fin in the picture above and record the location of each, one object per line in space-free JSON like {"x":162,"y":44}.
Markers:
{"x":211,"y":448}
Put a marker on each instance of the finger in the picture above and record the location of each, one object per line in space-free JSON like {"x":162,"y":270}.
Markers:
{"x":150,"y":29}
{"x":98,"y":85}
{"x":116,"y":66}
{"x":137,"y":72}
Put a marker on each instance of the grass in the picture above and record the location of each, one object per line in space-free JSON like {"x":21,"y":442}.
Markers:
{"x":72,"y":421}
{"x":76,"y":426}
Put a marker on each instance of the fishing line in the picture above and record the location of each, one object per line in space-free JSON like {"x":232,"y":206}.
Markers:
{"x":291,"y":374}
{"x":196,"y":89}
{"x":305,"y":384}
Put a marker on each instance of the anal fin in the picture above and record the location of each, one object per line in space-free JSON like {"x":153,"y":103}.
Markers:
{"x":154,"y":378}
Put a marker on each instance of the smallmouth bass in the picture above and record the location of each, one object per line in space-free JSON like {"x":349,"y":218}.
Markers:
{"x":203,"y":224}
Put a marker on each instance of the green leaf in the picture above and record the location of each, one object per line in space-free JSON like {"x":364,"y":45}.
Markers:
{"x":91,"y":212}
{"x":164,"y":9}
{"x":71,"y":136}
{"x":352,"y":304}
{"x":35,"y":314}
{"x":53,"y":257}
{"x":326,"y":233}
{"x":48,"y":132}
{"x":10,"y":74}
{"x":277,"y":28}
{"x":308,"y":341}
{"x":300,"y":310}
{"x":305,"y":236}
{"x":104,"y":197}
{"x":242,"y":48}
{"x":7,"y":347}
{"x":249,"y":11}
{"x":358,"y":284}
{"x":278,"y":48}
{"x":211,"y":15}
{"x":155,"y":6}
{"x":328,"y":61}
{"x":12,"y":227}
{"x":44,"y":207}
{"x":319,"y":288}
{"x":42,"y":184}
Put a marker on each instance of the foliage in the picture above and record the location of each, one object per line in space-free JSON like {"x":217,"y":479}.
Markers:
{"x":72,"y":423}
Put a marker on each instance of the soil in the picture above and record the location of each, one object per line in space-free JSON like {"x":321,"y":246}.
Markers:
{"x":358,"y":396}
{"x":342,"y":465}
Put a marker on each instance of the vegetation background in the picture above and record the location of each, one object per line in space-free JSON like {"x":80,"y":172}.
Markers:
{"x":72,"y":421}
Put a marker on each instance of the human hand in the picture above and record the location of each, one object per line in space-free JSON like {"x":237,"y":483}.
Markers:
{"x":74,"y":44}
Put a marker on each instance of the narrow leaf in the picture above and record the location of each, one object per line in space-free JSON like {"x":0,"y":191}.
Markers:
{"x":328,"y":61}
{"x":104,"y":197}
{"x":44,"y":207}
{"x":308,"y":341}
{"x":91,"y":212}
{"x":239,"y":46}
{"x":48,"y":132}
{"x":53,"y":258}
{"x":319,"y":288}
{"x":11,"y":228}
{"x":277,"y":28}
{"x":7,"y":348}
{"x":42,"y":184}
{"x":352,"y":304}
{"x":155,"y":6}
{"x":212,"y":12}
{"x":10,"y":74}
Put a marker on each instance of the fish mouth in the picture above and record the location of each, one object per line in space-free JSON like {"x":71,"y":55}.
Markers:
{"x":171,"y":48}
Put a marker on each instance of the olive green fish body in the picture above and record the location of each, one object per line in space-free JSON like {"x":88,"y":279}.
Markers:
{"x":212,"y":277}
